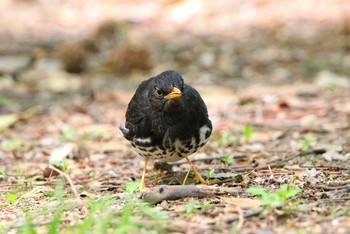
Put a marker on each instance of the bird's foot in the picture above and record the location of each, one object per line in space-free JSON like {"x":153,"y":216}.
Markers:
{"x":142,"y":185}
{"x":198,"y":176}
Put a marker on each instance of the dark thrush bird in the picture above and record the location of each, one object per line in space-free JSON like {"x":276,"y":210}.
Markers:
{"x":166,"y":120}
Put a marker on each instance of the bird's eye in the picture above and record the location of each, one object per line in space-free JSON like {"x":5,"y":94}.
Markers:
{"x":158,"y":91}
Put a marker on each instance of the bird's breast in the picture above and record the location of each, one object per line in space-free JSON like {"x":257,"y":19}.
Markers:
{"x":172,"y":148}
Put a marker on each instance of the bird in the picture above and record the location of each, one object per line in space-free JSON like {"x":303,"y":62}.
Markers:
{"x":166,"y":120}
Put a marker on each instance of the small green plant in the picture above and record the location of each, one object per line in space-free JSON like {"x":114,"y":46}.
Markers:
{"x":105,"y":215}
{"x":131,"y":187}
{"x":27,"y":228}
{"x":62,"y":165}
{"x":332,"y":86}
{"x":3,"y":175}
{"x":209,"y":174}
{"x":228,"y":138}
{"x":315,"y":64}
{"x":277,"y":199}
{"x":4,"y":100}
{"x":69,"y":134}
{"x":226,"y":158}
{"x":194,"y":205}
{"x":10,"y":144}
{"x":306,"y":143}
{"x":94,"y":134}
{"x":205,"y":205}
{"x":18,"y":169}
{"x":12,"y":198}
{"x":247,"y":132}
{"x":190,"y":207}
{"x":22,"y":180}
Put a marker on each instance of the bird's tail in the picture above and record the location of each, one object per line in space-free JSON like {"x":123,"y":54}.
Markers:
{"x":125,"y":131}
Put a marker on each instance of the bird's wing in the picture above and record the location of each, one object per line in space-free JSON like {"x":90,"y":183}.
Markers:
{"x":134,"y":113}
{"x":192,"y":98}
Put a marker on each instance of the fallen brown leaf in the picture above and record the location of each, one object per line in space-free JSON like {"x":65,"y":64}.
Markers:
{"x":245,"y":202}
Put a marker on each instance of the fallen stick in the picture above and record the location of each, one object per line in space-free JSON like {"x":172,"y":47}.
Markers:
{"x":175,"y":192}
{"x":237,"y":155}
{"x":240,"y":218}
{"x":69,"y":181}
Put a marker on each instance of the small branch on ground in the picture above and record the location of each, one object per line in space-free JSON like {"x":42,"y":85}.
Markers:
{"x":240,"y":218}
{"x":69,"y":181}
{"x":338,"y":183}
{"x":237,"y":155}
{"x":175,"y":192}
{"x":329,"y":188}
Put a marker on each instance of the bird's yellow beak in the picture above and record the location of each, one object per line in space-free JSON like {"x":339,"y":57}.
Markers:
{"x":175,"y":93}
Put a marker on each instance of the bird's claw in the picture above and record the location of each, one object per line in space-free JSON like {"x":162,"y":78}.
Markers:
{"x":142,"y":185}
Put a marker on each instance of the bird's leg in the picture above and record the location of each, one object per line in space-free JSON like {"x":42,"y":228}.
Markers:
{"x":142,"y":183}
{"x":197,"y":176}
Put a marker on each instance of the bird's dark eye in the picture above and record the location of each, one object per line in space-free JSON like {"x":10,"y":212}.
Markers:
{"x":158,"y":91}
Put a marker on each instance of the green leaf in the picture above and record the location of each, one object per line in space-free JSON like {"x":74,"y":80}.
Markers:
{"x":226,"y":159}
{"x":247,"y":131}
{"x":69,"y":134}
{"x":63,"y":165}
{"x":287,"y":191}
{"x":132,"y":187}
{"x":205,"y":205}
{"x":155,"y":214}
{"x":10,"y":144}
{"x":11,"y":197}
{"x":190,"y":207}
{"x":27,"y":228}
{"x":8,"y":120}
{"x":256,"y":191}
{"x":3,"y":100}
{"x":209,"y":172}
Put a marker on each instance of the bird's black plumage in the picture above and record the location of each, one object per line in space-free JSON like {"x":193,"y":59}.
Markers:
{"x":166,"y":119}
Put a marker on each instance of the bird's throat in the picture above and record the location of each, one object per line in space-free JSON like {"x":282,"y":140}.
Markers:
{"x":174,"y":105}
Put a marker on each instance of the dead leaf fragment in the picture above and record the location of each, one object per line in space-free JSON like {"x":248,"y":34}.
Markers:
{"x":245,"y":202}
{"x":8,"y":120}
{"x":62,"y":153}
{"x":333,"y":155}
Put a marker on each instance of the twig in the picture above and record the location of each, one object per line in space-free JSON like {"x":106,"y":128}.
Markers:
{"x":269,"y":165}
{"x":175,"y":192}
{"x":335,"y":199}
{"x":328,"y":188}
{"x":335,"y":183}
{"x":207,"y":159}
{"x":286,"y":159}
{"x":69,"y":181}
{"x":240,"y":218}
{"x":246,"y":215}
{"x":252,"y":168}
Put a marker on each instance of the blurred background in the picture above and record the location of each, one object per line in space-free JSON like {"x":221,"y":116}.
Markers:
{"x":87,"y":46}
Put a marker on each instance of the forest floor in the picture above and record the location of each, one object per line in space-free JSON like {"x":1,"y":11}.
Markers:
{"x":277,"y":92}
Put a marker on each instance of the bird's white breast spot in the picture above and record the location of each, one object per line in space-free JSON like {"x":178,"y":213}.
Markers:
{"x":143,"y":140}
{"x":202,"y":134}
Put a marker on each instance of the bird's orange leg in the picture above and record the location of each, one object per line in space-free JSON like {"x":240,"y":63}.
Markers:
{"x":142,"y":183}
{"x":197,"y":176}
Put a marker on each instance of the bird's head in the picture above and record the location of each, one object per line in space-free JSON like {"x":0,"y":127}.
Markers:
{"x":166,"y":92}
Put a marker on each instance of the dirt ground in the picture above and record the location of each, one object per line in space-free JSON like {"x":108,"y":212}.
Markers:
{"x":274,"y":76}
